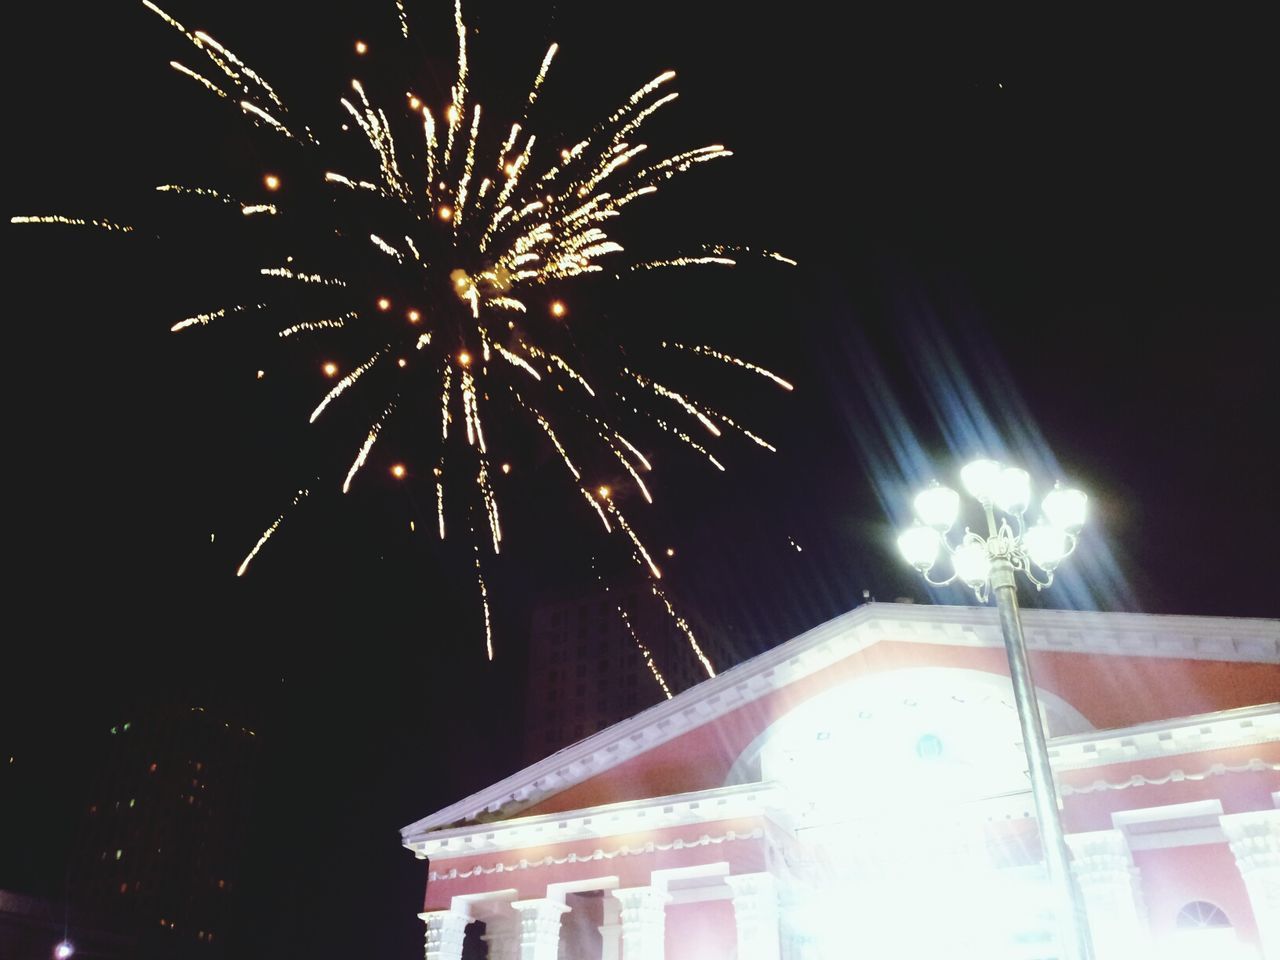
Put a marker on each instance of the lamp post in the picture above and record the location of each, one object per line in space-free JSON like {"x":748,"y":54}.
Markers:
{"x":988,"y":565}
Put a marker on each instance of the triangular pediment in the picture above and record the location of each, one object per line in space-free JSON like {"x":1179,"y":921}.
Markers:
{"x":1118,"y":634}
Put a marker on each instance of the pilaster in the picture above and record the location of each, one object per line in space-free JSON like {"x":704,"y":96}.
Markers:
{"x":539,"y":928}
{"x":1255,"y":841}
{"x":643,"y":919}
{"x":445,"y":932}
{"x":1109,"y":884}
{"x":755,"y":914}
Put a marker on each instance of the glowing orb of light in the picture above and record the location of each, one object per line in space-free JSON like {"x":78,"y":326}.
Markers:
{"x":271,"y":181}
{"x":64,"y":950}
{"x":330,"y":369}
{"x":398,"y":471}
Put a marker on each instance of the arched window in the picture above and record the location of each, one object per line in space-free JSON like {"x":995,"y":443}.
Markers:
{"x":1199,"y":914}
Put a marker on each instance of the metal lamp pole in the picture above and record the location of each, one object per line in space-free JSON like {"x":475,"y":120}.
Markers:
{"x":988,"y":565}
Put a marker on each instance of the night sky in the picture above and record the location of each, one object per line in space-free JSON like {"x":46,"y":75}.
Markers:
{"x":1060,"y":232}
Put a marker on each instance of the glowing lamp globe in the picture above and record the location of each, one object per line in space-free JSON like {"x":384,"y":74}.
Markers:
{"x":1065,"y":509}
{"x":919,"y":545}
{"x":972,"y":564}
{"x":1013,"y":490}
{"x":981,"y":478}
{"x":1046,"y":545}
{"x":64,"y":950}
{"x":938,"y":507}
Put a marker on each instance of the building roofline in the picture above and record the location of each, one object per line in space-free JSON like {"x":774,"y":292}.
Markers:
{"x":1250,"y":640}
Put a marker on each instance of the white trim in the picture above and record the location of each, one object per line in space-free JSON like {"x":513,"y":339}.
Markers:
{"x":1117,"y":634}
{"x":1242,"y":727}
{"x":662,"y":879}
{"x":719,"y":891}
{"x":649,"y":847}
{"x":611,"y":819}
{"x":1191,"y":837}
{"x":1169,"y":811}
{"x":479,"y":906}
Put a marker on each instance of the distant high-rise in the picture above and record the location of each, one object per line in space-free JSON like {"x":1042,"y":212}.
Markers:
{"x":586,"y":667}
{"x":165,"y":828}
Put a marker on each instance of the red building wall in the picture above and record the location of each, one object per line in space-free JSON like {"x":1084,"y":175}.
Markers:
{"x":1176,"y":876}
{"x":1100,"y":686}
{"x":701,"y":931}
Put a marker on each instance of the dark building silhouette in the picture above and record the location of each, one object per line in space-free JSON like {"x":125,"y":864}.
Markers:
{"x":587,"y":668}
{"x":165,"y":827}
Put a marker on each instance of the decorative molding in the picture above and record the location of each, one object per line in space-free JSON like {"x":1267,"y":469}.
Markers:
{"x":1242,"y":727}
{"x":1173,"y":776}
{"x":611,"y":819}
{"x":1254,"y":839}
{"x":1116,"y":634}
{"x":730,"y":836}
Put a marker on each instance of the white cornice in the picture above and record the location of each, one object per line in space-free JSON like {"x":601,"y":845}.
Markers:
{"x":1246,"y":726}
{"x":1118,"y":634}
{"x":613,"y":819}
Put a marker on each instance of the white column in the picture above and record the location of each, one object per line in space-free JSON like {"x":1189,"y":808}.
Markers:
{"x":539,"y":928}
{"x":502,"y":934}
{"x":611,"y":930}
{"x":1255,"y":841}
{"x":1109,"y":885}
{"x":755,"y":914}
{"x":643,"y":922}
{"x":445,"y":930}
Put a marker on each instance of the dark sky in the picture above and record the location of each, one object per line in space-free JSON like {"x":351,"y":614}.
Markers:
{"x":1062,"y":228}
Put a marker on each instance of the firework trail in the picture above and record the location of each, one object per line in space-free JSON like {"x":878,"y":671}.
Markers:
{"x":477,"y":238}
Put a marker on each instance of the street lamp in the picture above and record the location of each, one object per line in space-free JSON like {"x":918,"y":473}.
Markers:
{"x":988,"y":564}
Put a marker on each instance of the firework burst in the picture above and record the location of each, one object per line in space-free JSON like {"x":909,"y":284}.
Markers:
{"x":474,"y":239}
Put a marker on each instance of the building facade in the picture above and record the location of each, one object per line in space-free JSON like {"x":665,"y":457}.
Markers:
{"x":860,"y":791}
{"x":162,"y":839}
